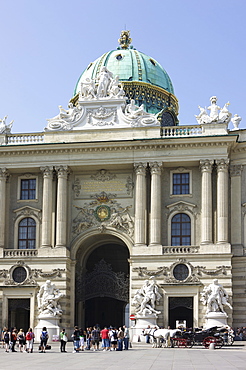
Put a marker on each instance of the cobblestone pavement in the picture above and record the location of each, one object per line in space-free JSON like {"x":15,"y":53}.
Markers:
{"x":140,"y":356}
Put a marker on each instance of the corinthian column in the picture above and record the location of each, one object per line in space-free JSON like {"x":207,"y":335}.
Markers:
{"x":222,"y":200}
{"x":47,"y":206}
{"x":61,"y":213}
{"x":236,"y":201}
{"x":140,"y":203}
{"x":206,"y":216}
{"x":155,"y":206}
{"x":3,"y":178}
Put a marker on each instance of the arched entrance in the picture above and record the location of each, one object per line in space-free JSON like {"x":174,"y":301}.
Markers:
{"x":102,"y":285}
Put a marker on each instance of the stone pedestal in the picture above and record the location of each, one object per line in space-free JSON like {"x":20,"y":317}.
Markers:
{"x":142,"y":323}
{"x":215,"y":319}
{"x":52,"y":325}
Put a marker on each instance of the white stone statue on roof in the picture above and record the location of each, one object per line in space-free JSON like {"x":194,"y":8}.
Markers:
{"x":235,"y":121}
{"x":216,"y":115}
{"x":4,"y":127}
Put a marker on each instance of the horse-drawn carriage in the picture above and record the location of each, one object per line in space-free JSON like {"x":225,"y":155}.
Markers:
{"x":218,"y":336}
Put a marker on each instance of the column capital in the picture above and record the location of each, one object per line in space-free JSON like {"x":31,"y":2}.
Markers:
{"x":47,"y":171}
{"x":62,"y":171}
{"x":4,"y":174}
{"x":236,"y":170}
{"x":155,"y":167}
{"x":206,"y":165}
{"x":140,"y":168}
{"x":222,"y":164}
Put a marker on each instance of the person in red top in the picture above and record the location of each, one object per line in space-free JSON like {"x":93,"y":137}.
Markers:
{"x":105,"y":339}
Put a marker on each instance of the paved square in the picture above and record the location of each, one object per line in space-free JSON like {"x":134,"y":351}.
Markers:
{"x":141,"y":356}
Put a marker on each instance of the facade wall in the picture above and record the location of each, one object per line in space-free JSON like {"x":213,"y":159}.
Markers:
{"x":83,"y":231}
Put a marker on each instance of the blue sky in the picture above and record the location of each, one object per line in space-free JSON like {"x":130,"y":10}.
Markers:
{"x":46,"y":45}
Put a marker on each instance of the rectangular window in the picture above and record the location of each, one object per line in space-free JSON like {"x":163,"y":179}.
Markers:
{"x":28,"y":189}
{"x":181,"y":183}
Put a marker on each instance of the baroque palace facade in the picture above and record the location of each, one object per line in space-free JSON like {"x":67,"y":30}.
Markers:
{"x":114,"y":192}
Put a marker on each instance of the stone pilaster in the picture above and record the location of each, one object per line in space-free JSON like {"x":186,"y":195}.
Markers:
{"x":155,"y":206}
{"x":140,"y":204}
{"x":61,"y":213}
{"x":236,"y":201}
{"x":222,"y":200}
{"x":47,"y":206}
{"x":206,"y":167}
{"x":3,"y":179}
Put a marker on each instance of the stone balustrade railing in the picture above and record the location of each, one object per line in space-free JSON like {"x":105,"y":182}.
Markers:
{"x":12,"y":253}
{"x":181,"y":250}
{"x":18,"y":139}
{"x":178,"y":131}
{"x":39,"y":138}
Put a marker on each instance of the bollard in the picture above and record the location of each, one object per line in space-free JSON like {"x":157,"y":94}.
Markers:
{"x":212,"y":346}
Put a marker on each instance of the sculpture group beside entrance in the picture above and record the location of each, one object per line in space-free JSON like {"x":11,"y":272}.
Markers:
{"x":146,"y":298}
{"x":215,"y":297}
{"x":48,"y":297}
{"x":49,"y":309}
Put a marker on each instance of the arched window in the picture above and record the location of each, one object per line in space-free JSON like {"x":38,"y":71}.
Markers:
{"x":27,"y":234}
{"x":181,"y":229}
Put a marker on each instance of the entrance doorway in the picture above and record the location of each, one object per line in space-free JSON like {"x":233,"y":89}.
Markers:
{"x":19,"y":313}
{"x":180,"y":309}
{"x":108,"y":311}
{"x":102,"y":292}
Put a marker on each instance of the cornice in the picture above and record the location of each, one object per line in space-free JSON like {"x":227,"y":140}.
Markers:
{"x":106,"y":146}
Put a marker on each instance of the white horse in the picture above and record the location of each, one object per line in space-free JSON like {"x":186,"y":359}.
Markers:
{"x":165,"y":334}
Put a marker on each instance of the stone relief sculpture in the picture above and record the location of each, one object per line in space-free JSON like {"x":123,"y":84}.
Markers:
{"x":4,"y":127}
{"x":116,"y":88}
{"x":48,"y":297}
{"x":146,"y":298}
{"x":104,"y":86}
{"x":103,"y":216}
{"x":122,"y":220}
{"x":236,"y":121}
{"x":137,"y":116}
{"x":65,"y":120}
{"x":87,"y":89}
{"x":133,"y":111}
{"x":216,"y":115}
{"x":214,"y":296}
{"x":98,"y":114}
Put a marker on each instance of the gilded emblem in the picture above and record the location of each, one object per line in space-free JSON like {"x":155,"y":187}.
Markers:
{"x":102,"y":213}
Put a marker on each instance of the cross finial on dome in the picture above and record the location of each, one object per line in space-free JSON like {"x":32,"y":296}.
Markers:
{"x":125,"y":39}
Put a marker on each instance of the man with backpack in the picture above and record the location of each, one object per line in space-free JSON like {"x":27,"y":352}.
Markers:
{"x":95,"y":338}
{"x":44,"y":336}
{"x":113,"y":339}
{"x":6,"y":338}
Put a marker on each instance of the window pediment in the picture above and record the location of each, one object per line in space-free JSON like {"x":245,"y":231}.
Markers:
{"x":27,"y":211}
{"x":181,"y":207}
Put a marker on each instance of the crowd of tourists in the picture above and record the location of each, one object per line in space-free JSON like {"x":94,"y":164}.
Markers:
{"x":13,"y":338}
{"x":107,"y":339}
{"x":93,"y":338}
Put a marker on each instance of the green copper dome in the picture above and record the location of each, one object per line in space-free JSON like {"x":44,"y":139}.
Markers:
{"x":129,"y":65}
{"x":142,"y":77}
